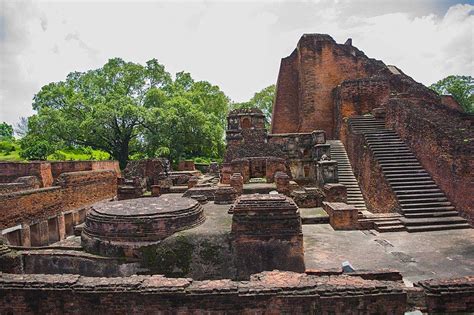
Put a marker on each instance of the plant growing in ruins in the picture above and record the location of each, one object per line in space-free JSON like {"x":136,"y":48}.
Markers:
{"x":460,"y":87}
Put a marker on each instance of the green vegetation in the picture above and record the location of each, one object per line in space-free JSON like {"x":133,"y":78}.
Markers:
{"x":6,"y":131}
{"x":460,"y":87}
{"x":124,"y":109}
{"x":262,"y":100}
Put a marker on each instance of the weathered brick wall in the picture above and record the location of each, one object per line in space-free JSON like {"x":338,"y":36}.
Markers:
{"x":85,"y":188}
{"x":74,"y":190}
{"x":47,"y":172}
{"x":21,"y":183}
{"x":269,"y":292}
{"x":59,"y":167}
{"x":10,"y":171}
{"x":311,"y":73}
{"x":443,"y":141}
{"x":358,"y":97}
{"x":29,"y":206}
{"x":378,"y":195}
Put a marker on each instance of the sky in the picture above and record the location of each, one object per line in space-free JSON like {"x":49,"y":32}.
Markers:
{"x":236,"y":45}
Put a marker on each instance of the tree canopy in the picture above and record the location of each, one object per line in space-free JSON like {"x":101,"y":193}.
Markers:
{"x":262,"y":100}
{"x":126,"y":108}
{"x":460,"y":87}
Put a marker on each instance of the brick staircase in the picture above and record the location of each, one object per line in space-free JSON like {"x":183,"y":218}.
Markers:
{"x":422,"y":203}
{"x":346,"y":176}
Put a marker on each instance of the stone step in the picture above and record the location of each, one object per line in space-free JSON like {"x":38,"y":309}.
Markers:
{"x":425,"y":205}
{"x":431,"y":214}
{"x":437,"y":227}
{"x":390,"y":228}
{"x":396,"y":166}
{"x":387,"y":222}
{"x":428,"y":209}
{"x":421,"y":192}
{"x":391,"y":155}
{"x":413,"y":187}
{"x":402,"y":174}
{"x":393,"y":180}
{"x":414,"y":196}
{"x":422,"y":200}
{"x":413,"y":183}
{"x":432,"y":221}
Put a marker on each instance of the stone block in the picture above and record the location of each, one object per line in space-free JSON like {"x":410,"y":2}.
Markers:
{"x":237,"y":182}
{"x":225,"y":195}
{"x":282,"y":181}
{"x":319,"y":136}
{"x":327,"y":172}
{"x":335,"y":193}
{"x":193,"y":180}
{"x":341,"y":215}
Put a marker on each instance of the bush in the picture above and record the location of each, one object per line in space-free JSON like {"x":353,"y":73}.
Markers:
{"x":34,"y":148}
{"x":7,"y":147}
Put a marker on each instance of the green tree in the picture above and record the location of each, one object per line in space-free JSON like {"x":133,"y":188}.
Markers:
{"x":6,"y":131}
{"x":262,"y":100}
{"x":189,"y":122}
{"x":124,"y":108}
{"x":102,"y":108}
{"x":460,"y":87}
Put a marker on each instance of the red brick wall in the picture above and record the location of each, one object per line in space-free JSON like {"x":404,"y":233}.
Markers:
{"x":266,"y":293}
{"x":10,"y":171}
{"x":59,"y":167}
{"x":378,"y":195}
{"x":312,"y":71}
{"x":30,"y":205}
{"x":47,"y":172}
{"x":85,"y":188}
{"x":358,"y":97}
{"x":76,"y":190}
{"x":442,"y":140}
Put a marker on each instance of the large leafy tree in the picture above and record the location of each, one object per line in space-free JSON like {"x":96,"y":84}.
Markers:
{"x":123,"y":107}
{"x":189,"y":122}
{"x":460,"y":87}
{"x":262,"y":100}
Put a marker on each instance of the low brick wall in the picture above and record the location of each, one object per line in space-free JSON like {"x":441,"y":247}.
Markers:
{"x":29,"y":206}
{"x":60,"y":167}
{"x":47,"y":172}
{"x":268,"y":292}
{"x":85,"y":188}
{"x":10,"y":171}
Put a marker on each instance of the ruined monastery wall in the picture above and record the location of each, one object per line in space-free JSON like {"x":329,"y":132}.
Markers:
{"x":442,"y":140}
{"x":311,"y":72}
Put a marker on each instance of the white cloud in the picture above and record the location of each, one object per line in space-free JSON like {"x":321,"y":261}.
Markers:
{"x":236,"y":45}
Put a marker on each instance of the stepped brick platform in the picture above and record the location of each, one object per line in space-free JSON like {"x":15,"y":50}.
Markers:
{"x":267,"y":234}
{"x":121,"y":228}
{"x":421,"y":202}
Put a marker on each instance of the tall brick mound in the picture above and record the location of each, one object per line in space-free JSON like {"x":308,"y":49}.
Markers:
{"x":267,"y":235}
{"x":123,"y":228}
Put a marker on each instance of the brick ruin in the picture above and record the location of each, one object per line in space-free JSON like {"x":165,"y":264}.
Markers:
{"x":350,"y":136}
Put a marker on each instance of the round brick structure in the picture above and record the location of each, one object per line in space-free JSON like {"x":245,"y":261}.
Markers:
{"x":122,"y":228}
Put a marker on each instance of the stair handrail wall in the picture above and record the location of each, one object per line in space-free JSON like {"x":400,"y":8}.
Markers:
{"x":442,"y":139}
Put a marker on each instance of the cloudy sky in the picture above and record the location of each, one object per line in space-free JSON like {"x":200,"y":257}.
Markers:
{"x":234,"y":44}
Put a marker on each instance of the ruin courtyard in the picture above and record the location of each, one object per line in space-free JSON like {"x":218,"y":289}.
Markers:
{"x":357,"y":199}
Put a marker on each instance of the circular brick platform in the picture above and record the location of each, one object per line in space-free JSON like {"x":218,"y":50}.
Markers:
{"x":122,"y":228}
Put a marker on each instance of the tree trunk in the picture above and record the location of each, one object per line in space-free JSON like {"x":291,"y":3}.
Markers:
{"x":122,"y":155}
